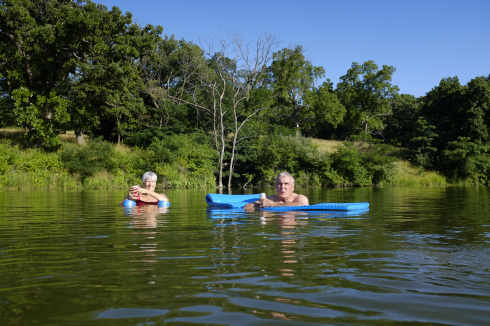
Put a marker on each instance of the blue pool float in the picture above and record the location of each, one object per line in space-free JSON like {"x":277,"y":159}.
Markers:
{"x":239,"y":201}
{"x":132,"y":203}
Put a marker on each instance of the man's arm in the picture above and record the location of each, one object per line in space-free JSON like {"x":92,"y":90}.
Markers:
{"x":270,"y":201}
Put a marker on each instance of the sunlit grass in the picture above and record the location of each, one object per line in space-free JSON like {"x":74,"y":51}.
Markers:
{"x":408,"y":176}
{"x":329,"y":146}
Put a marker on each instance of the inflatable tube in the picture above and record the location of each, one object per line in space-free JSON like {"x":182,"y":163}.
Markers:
{"x":132,"y":203}
{"x":320,"y":207}
{"x":235,"y":214}
{"x":230,"y":201}
{"x":238,"y":201}
{"x":129,"y":203}
{"x":162,"y":203}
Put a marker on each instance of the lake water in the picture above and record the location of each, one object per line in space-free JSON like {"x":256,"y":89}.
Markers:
{"x":419,"y":256}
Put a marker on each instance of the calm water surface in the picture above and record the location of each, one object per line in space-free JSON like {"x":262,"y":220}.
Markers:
{"x":419,"y":256}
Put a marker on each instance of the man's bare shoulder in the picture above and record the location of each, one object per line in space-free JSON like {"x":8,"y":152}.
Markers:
{"x":302,"y":199}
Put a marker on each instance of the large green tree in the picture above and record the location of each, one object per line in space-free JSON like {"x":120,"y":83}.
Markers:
{"x":459,"y":115}
{"x":173,"y":77}
{"x":293,"y":80}
{"x":401,"y":124}
{"x":107,"y":87}
{"x":366,"y":92}
{"x":69,"y":64}
{"x":38,"y":53}
{"x":323,"y":111}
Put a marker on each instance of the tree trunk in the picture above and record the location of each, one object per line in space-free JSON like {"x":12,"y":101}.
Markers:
{"x":79,"y":136}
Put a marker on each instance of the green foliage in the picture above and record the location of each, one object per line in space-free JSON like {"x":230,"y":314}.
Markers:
{"x":183,"y":161}
{"x":75,"y":65}
{"x":297,"y":155}
{"x":87,"y":160}
{"x":131,"y":161}
{"x":32,"y":169}
{"x":69,"y":64}
{"x":422,"y":150}
{"x":323,"y":111}
{"x":378,"y":160}
{"x":348,"y":163}
{"x":293,"y":77}
{"x":467,"y":160}
{"x":372,"y":167}
{"x":456,"y":130}
{"x":12,"y":159}
{"x":366,"y":92}
{"x":264,"y":158}
{"x":400,"y":125}
{"x":348,"y":166}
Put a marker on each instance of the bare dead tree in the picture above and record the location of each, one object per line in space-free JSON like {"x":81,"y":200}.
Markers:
{"x":239,"y":68}
{"x":223,"y":68}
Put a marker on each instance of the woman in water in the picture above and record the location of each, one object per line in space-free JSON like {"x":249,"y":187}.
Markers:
{"x":146,"y":194}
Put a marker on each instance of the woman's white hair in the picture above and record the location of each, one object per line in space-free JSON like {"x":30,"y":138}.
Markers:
{"x":285,"y":174}
{"x":149,"y":175}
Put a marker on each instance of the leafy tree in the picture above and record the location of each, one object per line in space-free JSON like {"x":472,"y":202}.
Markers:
{"x":400,"y":125}
{"x":37,"y":52}
{"x":467,"y":160}
{"x":173,"y":76}
{"x":444,"y":109}
{"x":459,"y":114}
{"x":293,"y":79}
{"x":88,"y":160}
{"x":421,"y":145}
{"x":274,"y":153}
{"x":107,"y":86}
{"x":323,"y":111}
{"x":366,"y":92}
{"x":68,"y":63}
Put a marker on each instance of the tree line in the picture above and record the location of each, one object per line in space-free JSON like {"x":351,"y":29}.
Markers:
{"x":76,"y":65}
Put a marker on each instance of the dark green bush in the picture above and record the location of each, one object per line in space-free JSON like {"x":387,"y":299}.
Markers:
{"x":183,"y":160}
{"x":87,"y":160}
{"x":371,"y":166}
{"x":273,"y":154}
{"x":466,"y":159}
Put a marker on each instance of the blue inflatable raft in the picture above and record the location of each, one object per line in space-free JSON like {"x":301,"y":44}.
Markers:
{"x":239,"y":201}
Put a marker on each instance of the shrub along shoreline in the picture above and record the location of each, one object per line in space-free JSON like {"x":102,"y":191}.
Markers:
{"x":186,"y":161}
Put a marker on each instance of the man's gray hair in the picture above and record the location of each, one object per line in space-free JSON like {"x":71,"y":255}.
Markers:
{"x":149,"y":175}
{"x":285,"y":174}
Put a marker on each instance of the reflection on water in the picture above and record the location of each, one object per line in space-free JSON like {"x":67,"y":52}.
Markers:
{"x":417,"y":256}
{"x":145,"y":216}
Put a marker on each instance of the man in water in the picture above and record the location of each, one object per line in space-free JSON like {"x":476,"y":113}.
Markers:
{"x":285,"y":195}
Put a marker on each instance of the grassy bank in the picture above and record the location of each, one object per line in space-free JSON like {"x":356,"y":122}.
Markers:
{"x":102,"y":165}
{"x":406,"y":175}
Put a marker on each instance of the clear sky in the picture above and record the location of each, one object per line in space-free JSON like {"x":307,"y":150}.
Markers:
{"x":425,"y":40}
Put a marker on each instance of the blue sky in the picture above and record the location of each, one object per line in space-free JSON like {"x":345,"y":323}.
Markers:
{"x":425,"y":41}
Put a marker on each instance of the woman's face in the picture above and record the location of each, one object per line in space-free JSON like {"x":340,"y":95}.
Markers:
{"x":150,"y":184}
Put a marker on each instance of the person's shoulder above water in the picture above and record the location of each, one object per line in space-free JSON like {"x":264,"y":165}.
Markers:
{"x":146,"y":193}
{"x":284,"y":196}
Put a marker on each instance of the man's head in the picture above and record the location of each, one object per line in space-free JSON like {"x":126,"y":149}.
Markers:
{"x":284,"y":185}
